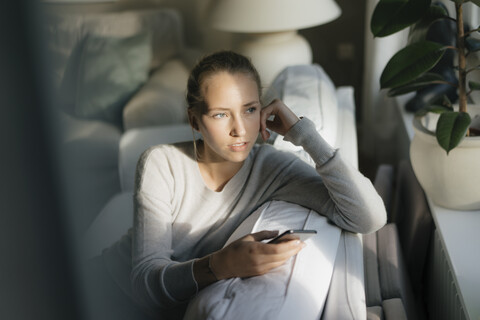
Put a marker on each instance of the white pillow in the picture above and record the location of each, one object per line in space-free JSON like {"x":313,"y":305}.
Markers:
{"x":296,"y":290}
{"x":161,"y":101}
{"x":309,"y":92}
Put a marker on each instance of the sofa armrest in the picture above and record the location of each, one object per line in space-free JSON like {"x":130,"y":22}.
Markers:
{"x":161,"y":100}
{"x":89,"y":150}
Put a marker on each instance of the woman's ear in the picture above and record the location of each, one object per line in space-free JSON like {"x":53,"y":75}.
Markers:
{"x":192,"y":119}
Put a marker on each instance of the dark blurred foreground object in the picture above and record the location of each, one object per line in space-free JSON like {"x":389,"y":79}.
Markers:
{"x":36,"y":277}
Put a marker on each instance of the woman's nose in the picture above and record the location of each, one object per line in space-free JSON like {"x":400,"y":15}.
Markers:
{"x":238,"y":127}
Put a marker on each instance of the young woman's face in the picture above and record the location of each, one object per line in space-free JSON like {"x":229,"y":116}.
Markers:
{"x":231,"y":122}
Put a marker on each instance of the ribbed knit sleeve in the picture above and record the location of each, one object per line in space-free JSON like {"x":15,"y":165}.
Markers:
{"x":339,"y":191}
{"x":157,"y":281}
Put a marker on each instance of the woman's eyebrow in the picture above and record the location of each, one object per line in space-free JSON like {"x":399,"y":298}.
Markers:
{"x":248,"y":104}
{"x":218,"y":109}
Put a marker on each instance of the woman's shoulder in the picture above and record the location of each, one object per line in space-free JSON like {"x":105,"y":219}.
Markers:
{"x":269,"y":154}
{"x":164,"y":152}
{"x":164,"y":157}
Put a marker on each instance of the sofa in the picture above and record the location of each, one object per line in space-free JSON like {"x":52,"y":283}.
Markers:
{"x":308,"y":90}
{"x":112,"y":72}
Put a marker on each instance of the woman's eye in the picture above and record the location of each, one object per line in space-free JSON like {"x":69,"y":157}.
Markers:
{"x":219,"y":115}
{"x":251,"y":110}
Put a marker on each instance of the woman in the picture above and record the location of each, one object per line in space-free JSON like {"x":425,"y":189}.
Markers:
{"x":189,"y":198}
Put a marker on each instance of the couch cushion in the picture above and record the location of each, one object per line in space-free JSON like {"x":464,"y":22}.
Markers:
{"x":373,"y":295}
{"x":308,"y":91}
{"x":65,"y":30}
{"x":394,"y":280}
{"x":102,"y":74}
{"x":394,"y":309}
{"x":375,"y":313}
{"x":161,"y":101}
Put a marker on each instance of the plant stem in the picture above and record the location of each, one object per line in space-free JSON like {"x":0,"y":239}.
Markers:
{"x":462,"y":74}
{"x":472,"y":31}
{"x":476,"y":68}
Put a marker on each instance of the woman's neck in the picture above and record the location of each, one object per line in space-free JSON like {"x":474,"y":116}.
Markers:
{"x":217,"y":174}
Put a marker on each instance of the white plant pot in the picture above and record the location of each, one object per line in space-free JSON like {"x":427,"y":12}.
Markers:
{"x":452,"y":180}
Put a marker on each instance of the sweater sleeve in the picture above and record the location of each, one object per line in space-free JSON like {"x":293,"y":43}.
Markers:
{"x":342,"y":193}
{"x":158,"y":281}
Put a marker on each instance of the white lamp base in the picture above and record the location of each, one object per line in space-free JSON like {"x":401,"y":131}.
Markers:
{"x":272,"y":52}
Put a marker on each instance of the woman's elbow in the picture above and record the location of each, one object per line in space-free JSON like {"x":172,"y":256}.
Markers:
{"x":375,"y":218}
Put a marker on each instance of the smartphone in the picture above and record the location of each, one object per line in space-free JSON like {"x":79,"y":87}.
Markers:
{"x":301,"y":235}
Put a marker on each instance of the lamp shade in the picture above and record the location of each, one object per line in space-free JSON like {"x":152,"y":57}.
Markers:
{"x":248,"y":16}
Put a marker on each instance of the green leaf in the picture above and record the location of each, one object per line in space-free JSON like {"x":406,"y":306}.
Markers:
{"x":474,"y":85}
{"x":451,"y":129}
{"x":477,"y":2}
{"x":472,"y":44}
{"x":410,"y":62}
{"x":434,"y":109}
{"x":391,"y":16}
{"x":422,"y":81}
{"x":420,"y":29}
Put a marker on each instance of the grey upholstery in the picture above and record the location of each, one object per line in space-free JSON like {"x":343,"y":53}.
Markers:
{"x":394,"y":256}
{"x":375,"y":313}
{"x":393,"y":309}
{"x":414,"y":221}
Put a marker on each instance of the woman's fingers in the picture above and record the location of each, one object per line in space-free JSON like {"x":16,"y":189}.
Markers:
{"x":261,"y":235}
{"x":283,"y":250}
{"x":277,"y":255}
{"x":246,"y":256}
{"x":264,"y":115}
{"x":284,"y":118}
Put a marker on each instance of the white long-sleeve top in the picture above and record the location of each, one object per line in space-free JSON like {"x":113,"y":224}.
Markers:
{"x":178,"y":218}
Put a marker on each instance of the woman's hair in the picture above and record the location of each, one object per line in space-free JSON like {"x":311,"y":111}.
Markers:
{"x":211,"y":64}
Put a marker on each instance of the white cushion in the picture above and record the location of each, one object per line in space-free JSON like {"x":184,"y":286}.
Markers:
{"x":308,"y":91}
{"x":102,"y":74}
{"x":161,"y":101}
{"x":296,"y":290}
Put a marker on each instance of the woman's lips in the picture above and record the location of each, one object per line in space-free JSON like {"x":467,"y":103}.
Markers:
{"x":240,"y":146}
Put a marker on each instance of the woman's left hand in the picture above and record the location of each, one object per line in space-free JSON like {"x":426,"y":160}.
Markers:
{"x":284,"y":119}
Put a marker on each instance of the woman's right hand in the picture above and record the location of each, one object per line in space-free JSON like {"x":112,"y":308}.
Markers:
{"x":247,"y":256}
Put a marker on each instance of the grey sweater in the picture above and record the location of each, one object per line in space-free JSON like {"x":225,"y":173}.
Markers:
{"x":178,"y":219}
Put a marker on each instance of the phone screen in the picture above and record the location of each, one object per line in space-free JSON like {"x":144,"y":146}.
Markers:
{"x":301,"y":235}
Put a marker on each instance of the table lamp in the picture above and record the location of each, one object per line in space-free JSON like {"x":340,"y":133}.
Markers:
{"x":268,"y":29}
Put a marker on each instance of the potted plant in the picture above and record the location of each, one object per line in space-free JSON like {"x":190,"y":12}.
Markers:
{"x":445,"y":151}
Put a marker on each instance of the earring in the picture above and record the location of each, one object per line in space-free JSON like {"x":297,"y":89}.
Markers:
{"x":195,"y":125}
